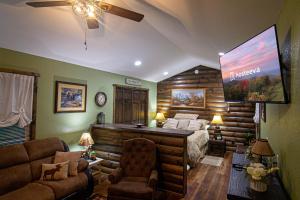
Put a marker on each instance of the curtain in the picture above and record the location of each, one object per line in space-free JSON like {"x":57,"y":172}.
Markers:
{"x":16,"y":98}
{"x":256,"y":117}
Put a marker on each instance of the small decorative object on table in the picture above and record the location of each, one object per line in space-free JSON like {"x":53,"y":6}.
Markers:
{"x":87,"y":141}
{"x":258,"y":175}
{"x":139,"y":125}
{"x":217,"y":120}
{"x":101,"y":118}
{"x":160,"y":118}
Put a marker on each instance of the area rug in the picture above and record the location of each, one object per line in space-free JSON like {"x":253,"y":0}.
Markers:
{"x":212,"y":160}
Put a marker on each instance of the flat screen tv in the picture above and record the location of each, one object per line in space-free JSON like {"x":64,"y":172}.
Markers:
{"x":251,"y":72}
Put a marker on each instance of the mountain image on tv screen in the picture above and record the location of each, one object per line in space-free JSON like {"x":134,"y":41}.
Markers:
{"x":251,"y":72}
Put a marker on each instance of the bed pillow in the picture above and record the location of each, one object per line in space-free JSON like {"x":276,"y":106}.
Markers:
{"x":54,"y":172}
{"x":171,"y":123}
{"x":194,"y":125}
{"x":183,"y":124}
{"x":198,"y":124}
{"x":186,"y":116}
{"x":204,"y":123}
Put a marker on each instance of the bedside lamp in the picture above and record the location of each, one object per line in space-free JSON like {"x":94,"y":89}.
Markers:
{"x":262,"y":148}
{"x":217,"y":120}
{"x":160,"y":118}
{"x":87,"y":141}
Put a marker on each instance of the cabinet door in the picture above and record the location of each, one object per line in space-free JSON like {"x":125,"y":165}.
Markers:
{"x":131,"y":105}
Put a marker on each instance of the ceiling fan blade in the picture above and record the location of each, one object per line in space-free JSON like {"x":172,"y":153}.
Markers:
{"x":92,"y":23}
{"x":40,"y":4}
{"x":122,"y":12}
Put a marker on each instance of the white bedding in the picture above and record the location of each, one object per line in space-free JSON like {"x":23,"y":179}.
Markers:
{"x":196,"y":146}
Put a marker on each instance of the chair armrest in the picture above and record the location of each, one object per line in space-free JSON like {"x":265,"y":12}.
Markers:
{"x":115,"y":176}
{"x":82,"y":165}
{"x":153,"y":179}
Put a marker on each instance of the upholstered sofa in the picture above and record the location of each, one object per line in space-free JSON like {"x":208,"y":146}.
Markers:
{"x":20,"y":171}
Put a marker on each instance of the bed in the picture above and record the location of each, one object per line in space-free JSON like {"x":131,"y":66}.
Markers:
{"x":197,"y":142}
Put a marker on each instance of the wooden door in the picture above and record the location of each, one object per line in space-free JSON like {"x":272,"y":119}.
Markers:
{"x":130,"y":105}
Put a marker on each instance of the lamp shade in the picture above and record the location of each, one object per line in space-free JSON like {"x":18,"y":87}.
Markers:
{"x":160,"y":116}
{"x":262,"y":147}
{"x":217,"y":119}
{"x":86,"y":139}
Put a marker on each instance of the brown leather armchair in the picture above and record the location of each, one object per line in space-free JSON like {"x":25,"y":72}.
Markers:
{"x":136,"y":178}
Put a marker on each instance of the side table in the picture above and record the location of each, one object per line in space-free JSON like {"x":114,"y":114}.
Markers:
{"x":217,"y":147}
{"x":94,"y":165}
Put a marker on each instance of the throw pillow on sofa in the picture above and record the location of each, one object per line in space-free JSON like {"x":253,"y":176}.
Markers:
{"x":73,"y":157}
{"x":53,"y":172}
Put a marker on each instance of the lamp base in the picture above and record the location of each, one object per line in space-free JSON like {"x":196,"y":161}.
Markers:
{"x":217,"y":133}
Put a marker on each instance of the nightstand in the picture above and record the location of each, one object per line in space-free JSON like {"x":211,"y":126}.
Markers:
{"x":217,"y":147}
{"x":94,"y":165}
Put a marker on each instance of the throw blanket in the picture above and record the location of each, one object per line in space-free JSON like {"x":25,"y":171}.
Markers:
{"x":196,"y":146}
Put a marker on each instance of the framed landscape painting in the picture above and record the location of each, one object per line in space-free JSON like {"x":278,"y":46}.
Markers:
{"x":70,"y":97}
{"x":188,"y":98}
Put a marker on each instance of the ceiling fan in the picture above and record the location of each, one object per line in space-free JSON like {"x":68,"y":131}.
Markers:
{"x":91,"y":10}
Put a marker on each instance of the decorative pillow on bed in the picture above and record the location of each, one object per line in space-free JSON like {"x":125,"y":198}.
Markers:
{"x":204,"y":123}
{"x":194,"y":125}
{"x":185,"y":116}
{"x":183,"y":124}
{"x":171,"y":123}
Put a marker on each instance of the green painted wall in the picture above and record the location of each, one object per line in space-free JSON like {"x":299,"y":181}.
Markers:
{"x":69,"y":126}
{"x":283,"y":121}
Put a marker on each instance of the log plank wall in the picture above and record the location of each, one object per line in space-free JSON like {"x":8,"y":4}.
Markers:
{"x":237,"y":117}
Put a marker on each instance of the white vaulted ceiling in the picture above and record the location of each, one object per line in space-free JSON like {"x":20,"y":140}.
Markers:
{"x":175,"y":35}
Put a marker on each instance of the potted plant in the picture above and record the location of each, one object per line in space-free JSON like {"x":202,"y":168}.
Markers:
{"x":258,"y":175}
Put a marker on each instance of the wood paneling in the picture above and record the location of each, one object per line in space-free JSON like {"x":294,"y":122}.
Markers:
{"x":171,"y":148}
{"x":237,"y":117}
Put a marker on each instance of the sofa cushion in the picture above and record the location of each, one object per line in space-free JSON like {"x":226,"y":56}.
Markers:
{"x":36,"y":166}
{"x":128,"y":189}
{"x":66,"y":187}
{"x":13,"y":155}
{"x":14,"y":177}
{"x":29,"y":192}
{"x":38,"y":149}
{"x":73,"y":157}
{"x":57,"y":171}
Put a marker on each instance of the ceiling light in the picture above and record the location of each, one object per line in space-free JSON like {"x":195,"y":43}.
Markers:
{"x":137,"y":63}
{"x":221,"y":54}
{"x":165,"y":73}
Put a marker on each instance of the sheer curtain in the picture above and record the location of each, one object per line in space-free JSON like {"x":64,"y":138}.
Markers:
{"x":16,"y":98}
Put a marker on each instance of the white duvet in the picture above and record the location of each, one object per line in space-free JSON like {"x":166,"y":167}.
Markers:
{"x":196,"y":146}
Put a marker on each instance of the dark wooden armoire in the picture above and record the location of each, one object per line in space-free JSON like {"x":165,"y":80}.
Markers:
{"x":130,"y":105}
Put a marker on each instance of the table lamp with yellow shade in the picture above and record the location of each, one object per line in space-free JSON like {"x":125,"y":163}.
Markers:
{"x":217,"y":120}
{"x":160,"y":118}
{"x":87,"y":141}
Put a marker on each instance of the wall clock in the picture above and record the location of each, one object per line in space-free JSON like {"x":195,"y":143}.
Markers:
{"x":100,"y":99}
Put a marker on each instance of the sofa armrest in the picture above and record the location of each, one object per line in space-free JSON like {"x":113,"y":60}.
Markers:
{"x":90,"y":187}
{"x":115,"y":176}
{"x":82,"y":165}
{"x":153,"y":179}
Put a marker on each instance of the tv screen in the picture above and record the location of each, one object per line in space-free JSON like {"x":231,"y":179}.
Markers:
{"x":251,"y":72}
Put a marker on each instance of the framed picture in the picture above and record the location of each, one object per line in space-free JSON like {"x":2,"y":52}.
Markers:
{"x":70,"y":97}
{"x":188,"y":98}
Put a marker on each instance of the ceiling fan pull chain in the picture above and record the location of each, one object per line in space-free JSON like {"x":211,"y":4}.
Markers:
{"x":85,"y":43}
